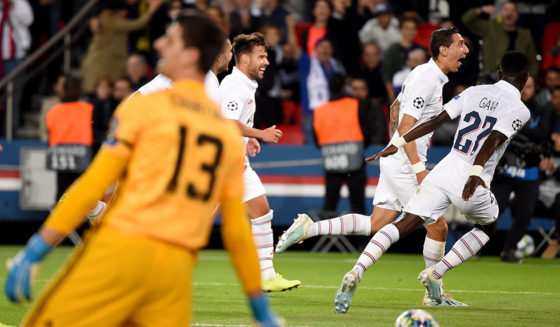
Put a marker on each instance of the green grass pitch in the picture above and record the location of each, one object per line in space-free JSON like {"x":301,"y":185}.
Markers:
{"x":498,"y":294}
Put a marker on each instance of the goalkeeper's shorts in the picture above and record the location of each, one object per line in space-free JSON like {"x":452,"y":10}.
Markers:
{"x":116,"y":279}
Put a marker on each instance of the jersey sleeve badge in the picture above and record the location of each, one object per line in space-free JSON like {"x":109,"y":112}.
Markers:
{"x":517,"y":124}
{"x":418,"y":102}
{"x":232,"y":106}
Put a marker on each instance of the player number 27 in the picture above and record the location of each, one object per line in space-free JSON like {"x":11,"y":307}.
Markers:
{"x":209,"y":168}
{"x":462,"y":143}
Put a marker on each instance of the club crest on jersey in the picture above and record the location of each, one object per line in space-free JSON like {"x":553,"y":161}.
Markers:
{"x":517,"y":124}
{"x":232,"y":106}
{"x":418,"y":103}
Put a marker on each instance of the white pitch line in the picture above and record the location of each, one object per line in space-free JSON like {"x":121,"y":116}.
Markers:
{"x":397,"y":262}
{"x":395,"y":289}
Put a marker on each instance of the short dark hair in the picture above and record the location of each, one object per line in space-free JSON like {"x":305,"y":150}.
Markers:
{"x":514,"y":63}
{"x":202,"y":33}
{"x":553,"y":69}
{"x":244,"y":43}
{"x":72,"y":87}
{"x":441,"y":37}
{"x":408,"y":19}
{"x":329,"y":3}
{"x":336,"y":83}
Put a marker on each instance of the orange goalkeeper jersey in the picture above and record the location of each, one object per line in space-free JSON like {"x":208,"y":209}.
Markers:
{"x":184,"y":159}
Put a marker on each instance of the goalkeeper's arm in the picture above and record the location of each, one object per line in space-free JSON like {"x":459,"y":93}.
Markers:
{"x":68,"y":214}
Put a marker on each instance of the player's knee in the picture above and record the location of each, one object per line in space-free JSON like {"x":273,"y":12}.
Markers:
{"x":437,"y":230}
{"x":488,"y":229}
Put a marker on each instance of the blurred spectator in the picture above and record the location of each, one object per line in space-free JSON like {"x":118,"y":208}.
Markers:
{"x":342,"y":133}
{"x":103,"y":107}
{"x":106,"y":55}
{"x":551,"y":80}
{"x":243,"y":20}
{"x":217,"y":14}
{"x":500,"y":35}
{"x":549,"y":204}
{"x":321,"y":13}
{"x":383,"y":29}
{"x":122,"y":88}
{"x":371,"y":110}
{"x":397,"y":54}
{"x":15,"y":41}
{"x":49,"y":102}
{"x":370,"y":70}
{"x":518,"y":171}
{"x":415,"y":57}
{"x":269,"y":94}
{"x":549,"y":197}
{"x":342,"y":31}
{"x":136,"y":70}
{"x":70,"y":130}
{"x":314,"y":71}
{"x":275,"y":14}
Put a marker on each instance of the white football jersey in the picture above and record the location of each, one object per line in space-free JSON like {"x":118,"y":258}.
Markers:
{"x":238,"y":97}
{"x":421,"y":98}
{"x":212,"y":86}
{"x":483,"y":109}
{"x":162,"y":82}
{"x":158,"y":83}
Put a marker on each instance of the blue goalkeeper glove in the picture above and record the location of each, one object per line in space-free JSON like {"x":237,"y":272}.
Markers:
{"x":23,"y":268}
{"x":262,"y":312}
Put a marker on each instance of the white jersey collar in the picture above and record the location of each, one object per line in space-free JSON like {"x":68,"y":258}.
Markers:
{"x":509,"y":88}
{"x":435,"y":68}
{"x":239,"y":74}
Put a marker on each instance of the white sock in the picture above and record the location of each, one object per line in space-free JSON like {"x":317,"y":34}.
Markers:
{"x":264,"y":241}
{"x":379,"y":244}
{"x":433,"y":251}
{"x":350,"y":224}
{"x":466,"y":247}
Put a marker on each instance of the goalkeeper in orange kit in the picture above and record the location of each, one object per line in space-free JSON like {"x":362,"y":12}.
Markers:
{"x":174,"y":154}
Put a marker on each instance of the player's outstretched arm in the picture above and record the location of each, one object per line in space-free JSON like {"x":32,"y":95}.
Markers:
{"x":68,"y":214}
{"x":494,"y":140}
{"x":236,"y":234}
{"x":414,"y":133}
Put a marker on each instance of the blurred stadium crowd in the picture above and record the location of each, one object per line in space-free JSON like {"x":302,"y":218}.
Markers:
{"x":375,"y":43}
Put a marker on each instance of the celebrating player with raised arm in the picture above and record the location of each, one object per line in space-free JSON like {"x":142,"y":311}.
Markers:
{"x":177,"y":158}
{"x":491,"y":115}
{"x":238,"y":103}
{"x":419,"y":100}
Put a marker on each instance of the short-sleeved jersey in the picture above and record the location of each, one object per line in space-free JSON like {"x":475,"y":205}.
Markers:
{"x":421,"y":98}
{"x":162,"y":82}
{"x":238,"y":97}
{"x":483,"y":109}
{"x":158,"y":83}
{"x":212,"y":86}
{"x":183,"y":159}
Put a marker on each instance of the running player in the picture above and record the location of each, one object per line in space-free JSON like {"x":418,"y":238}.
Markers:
{"x":490,"y":116}
{"x":178,"y":158}
{"x":238,"y":103}
{"x":419,"y":100}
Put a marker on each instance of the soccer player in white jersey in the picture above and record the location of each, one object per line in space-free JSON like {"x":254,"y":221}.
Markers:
{"x":490,"y":116}
{"x":162,"y":82}
{"x":211,"y":83}
{"x":238,"y":103}
{"x":419,"y":100}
